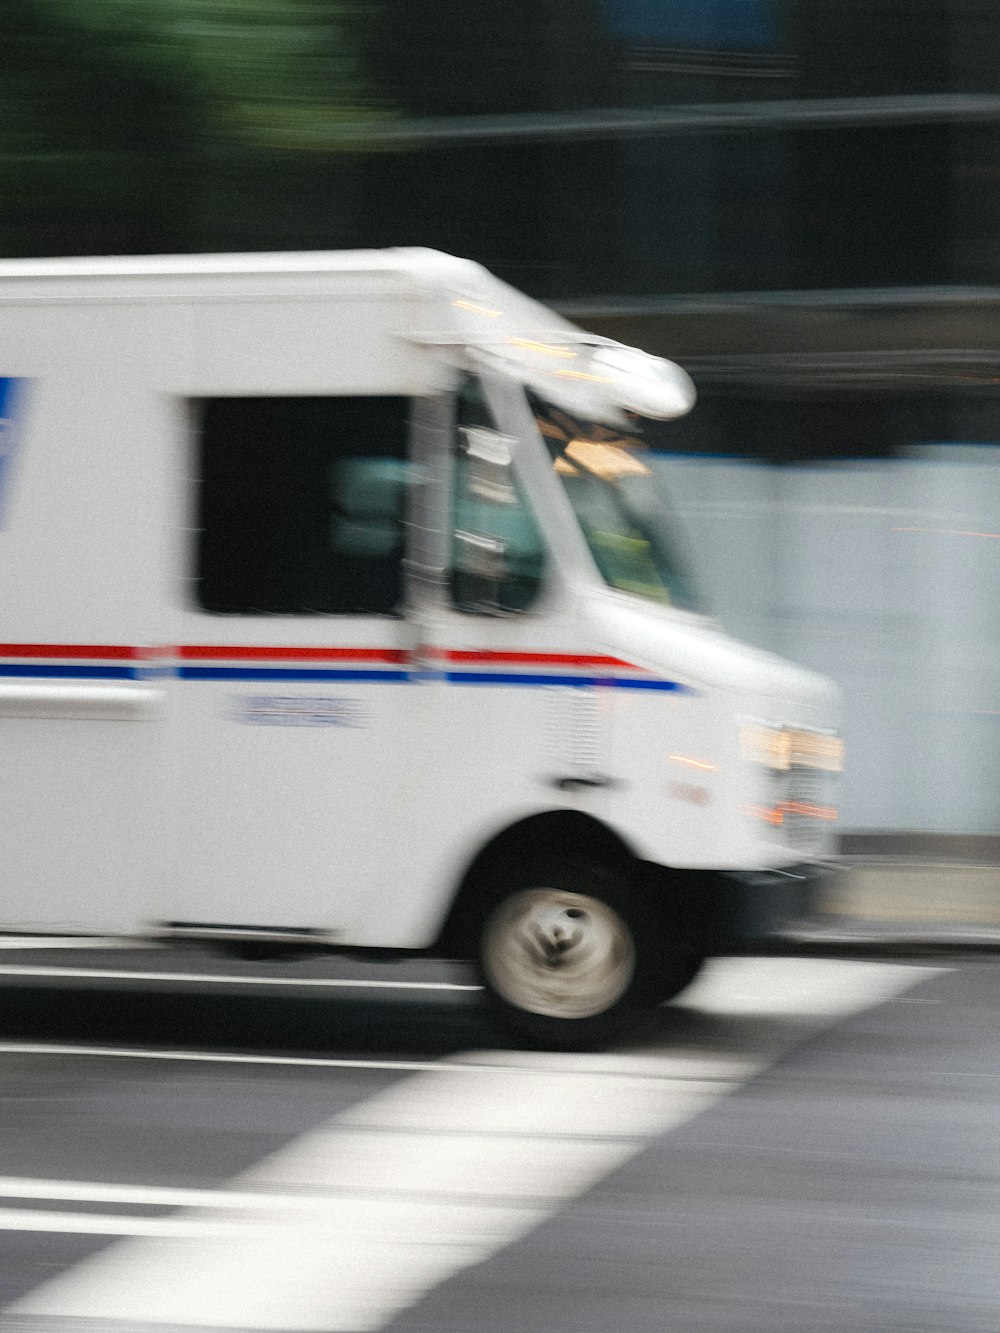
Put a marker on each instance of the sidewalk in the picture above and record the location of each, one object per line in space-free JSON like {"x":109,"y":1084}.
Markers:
{"x":907,"y":905}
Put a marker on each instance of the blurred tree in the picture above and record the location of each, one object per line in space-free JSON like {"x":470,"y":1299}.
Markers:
{"x":145,"y":125}
{"x":277,"y":74}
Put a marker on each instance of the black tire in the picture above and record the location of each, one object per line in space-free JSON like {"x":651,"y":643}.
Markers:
{"x":561,"y":950}
{"x":674,"y":973}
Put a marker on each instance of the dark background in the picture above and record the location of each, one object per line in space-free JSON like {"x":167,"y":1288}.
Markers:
{"x":799,"y":201}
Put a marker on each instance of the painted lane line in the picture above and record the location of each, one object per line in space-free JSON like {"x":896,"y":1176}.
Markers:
{"x":261,"y":1201}
{"x":162,"y":1196}
{"x":491,"y":1062}
{"x":187,"y":978}
{"x":14,"y":943}
{"x":267,"y":1231}
{"x":106,"y":1224}
{"x":501,"y":1156}
{"x":96,"y":1191}
{"x":187,"y":1228}
{"x":219,"y":1057}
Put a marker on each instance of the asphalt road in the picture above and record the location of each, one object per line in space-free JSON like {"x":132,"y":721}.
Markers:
{"x":799,"y":1144}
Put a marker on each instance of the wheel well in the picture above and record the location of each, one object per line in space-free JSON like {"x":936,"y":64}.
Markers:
{"x":554,"y":833}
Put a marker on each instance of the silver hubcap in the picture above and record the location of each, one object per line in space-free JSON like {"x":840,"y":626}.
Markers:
{"x":559,"y":954}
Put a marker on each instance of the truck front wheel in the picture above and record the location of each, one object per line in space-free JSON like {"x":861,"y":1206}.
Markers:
{"x":561,"y":954}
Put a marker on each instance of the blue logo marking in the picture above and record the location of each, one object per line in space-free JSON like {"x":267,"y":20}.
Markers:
{"x":276,"y":710}
{"x":10,"y":394}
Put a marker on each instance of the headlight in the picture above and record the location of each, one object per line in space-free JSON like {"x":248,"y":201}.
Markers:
{"x":823,"y":750}
{"x":767,"y":746}
{"x":782,"y":748}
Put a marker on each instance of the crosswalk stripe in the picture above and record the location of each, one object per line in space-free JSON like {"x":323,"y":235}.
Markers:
{"x":432,"y":1175}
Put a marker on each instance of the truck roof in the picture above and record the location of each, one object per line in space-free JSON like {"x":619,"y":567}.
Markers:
{"x":431,"y":265}
{"x":475,"y":306}
{"x":473,"y":309}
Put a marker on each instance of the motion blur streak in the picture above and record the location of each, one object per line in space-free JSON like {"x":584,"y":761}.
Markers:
{"x":952,"y":532}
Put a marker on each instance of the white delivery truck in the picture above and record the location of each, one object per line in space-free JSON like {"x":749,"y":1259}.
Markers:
{"x":340,"y":610}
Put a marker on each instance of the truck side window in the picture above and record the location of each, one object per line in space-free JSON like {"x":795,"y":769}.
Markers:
{"x":301,"y":505}
{"x":497,"y":554}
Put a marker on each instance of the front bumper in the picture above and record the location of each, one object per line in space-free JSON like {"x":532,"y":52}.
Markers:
{"x":741,"y":907}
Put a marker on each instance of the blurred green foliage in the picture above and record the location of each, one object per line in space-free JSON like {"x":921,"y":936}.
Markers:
{"x":161,"y":125}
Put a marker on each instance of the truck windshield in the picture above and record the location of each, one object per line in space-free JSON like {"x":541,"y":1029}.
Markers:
{"x":616,"y":486}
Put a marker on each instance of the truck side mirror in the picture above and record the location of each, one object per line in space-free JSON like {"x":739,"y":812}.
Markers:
{"x":481,"y":557}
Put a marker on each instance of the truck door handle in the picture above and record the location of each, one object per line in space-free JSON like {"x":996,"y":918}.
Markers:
{"x":573,"y":783}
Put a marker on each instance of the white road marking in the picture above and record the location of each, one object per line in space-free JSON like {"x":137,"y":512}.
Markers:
{"x":108,"y":1224}
{"x":225,"y":1057}
{"x":186,"y":978}
{"x":431,"y":1175}
{"x":17,"y":942}
{"x":495,"y":1062}
{"x":162,"y":1196}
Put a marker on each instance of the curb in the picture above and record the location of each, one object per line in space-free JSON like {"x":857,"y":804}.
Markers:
{"x":883,"y":939}
{"x":922,"y":900}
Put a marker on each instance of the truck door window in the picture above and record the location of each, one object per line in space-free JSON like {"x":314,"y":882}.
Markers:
{"x":610,"y":477}
{"x":497,"y":555}
{"x":301,"y":505}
